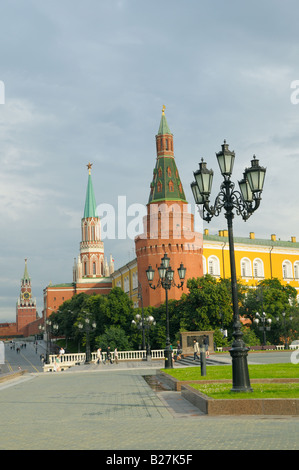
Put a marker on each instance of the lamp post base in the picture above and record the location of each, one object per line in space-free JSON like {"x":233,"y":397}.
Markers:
{"x":241,"y":381}
{"x":168,"y":358}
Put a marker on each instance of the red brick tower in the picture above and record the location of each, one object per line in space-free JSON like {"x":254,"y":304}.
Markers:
{"x":168,"y":226}
{"x":26,"y":305}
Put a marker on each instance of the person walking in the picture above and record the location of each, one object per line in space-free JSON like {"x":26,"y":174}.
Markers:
{"x":109,"y":355}
{"x":116,"y":356}
{"x":195,"y":349}
{"x":100,"y":356}
{"x":206,"y":345}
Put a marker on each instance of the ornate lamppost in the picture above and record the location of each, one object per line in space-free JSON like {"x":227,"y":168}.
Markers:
{"x":285,"y":328}
{"x":244,"y":203}
{"x":166,"y":281}
{"x":88,"y":326}
{"x":48,"y":329}
{"x":144,"y":324}
{"x":264,"y":320}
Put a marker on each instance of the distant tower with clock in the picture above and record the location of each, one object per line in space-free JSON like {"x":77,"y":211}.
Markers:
{"x":26,"y":305}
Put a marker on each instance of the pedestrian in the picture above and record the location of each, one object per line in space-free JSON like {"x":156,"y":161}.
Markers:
{"x":61,"y":353}
{"x":179,"y":351}
{"x":109,"y":355}
{"x":100,"y":356}
{"x":57,"y":364}
{"x":206,"y":345}
{"x":195,"y":349}
{"x":116,"y":356}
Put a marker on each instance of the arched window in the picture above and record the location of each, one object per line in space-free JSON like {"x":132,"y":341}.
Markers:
{"x":159,"y":187}
{"x":287,"y":271}
{"x":204,"y":265}
{"x":213,"y":266}
{"x":296,"y":270}
{"x":246,"y":270}
{"x":258,"y":268}
{"x":171,"y":187}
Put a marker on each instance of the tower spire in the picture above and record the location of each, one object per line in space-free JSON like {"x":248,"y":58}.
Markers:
{"x":166,"y":184}
{"x":90,"y":209}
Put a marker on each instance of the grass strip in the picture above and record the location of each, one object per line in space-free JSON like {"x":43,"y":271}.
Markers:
{"x":260,"y":390}
{"x":259,"y":371}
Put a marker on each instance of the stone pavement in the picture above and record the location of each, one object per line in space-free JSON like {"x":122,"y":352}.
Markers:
{"x":112,"y":407}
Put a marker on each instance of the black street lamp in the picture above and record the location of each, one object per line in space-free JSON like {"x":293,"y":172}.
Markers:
{"x":144,"y":323}
{"x":264,"y":320}
{"x":166,"y":282}
{"x":88,"y":326}
{"x":285,"y":328}
{"x":48,"y":330}
{"x":244,"y":203}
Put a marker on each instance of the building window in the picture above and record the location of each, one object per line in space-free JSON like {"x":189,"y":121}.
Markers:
{"x":159,"y":187}
{"x":258,"y":268}
{"x":171,"y":187}
{"x":287,"y":270}
{"x":94,"y":268}
{"x":214,"y":266}
{"x":296,"y":270}
{"x":246,"y":267}
{"x":126,"y":284}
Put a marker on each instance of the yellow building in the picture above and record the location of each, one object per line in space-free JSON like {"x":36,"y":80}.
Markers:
{"x":126,"y":278}
{"x":256,"y":259}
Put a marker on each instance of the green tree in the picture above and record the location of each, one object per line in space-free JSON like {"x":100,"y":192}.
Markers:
{"x":115,"y":337}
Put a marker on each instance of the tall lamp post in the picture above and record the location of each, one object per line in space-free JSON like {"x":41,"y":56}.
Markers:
{"x":264,"y":320}
{"x":166,"y":281}
{"x":285,"y":328}
{"x":88,"y":326}
{"x":144,"y":323}
{"x":48,"y":330}
{"x":244,"y":203}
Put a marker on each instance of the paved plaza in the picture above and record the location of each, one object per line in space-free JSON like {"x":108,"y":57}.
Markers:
{"x":114,"y":408}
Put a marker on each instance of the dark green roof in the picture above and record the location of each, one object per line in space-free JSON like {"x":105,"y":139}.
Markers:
{"x":163,"y":129}
{"x":166,"y":183}
{"x":253,"y":241}
{"x":26,"y":275}
{"x":90,"y":209}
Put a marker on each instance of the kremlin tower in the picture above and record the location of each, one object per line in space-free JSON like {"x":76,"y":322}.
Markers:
{"x":26,"y":305}
{"x":90,"y":263}
{"x":168,"y":226}
{"x":91,"y":271}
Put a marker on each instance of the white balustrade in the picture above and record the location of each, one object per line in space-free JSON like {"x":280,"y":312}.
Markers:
{"x":71,"y":359}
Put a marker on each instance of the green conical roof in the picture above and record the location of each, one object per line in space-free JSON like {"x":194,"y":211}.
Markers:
{"x":166,"y":184}
{"x":26,"y":275}
{"x":163,"y":129}
{"x":90,"y":209}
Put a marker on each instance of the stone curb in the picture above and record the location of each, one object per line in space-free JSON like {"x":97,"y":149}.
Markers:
{"x":12,"y":375}
{"x":250,"y":406}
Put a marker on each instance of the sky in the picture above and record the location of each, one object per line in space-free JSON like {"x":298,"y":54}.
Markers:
{"x":86,"y":81}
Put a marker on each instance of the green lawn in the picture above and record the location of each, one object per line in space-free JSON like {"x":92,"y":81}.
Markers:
{"x":220,"y":390}
{"x":262,"y":371}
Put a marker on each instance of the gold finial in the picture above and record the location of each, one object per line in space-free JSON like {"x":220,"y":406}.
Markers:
{"x":163,"y":110}
{"x":89,"y":167}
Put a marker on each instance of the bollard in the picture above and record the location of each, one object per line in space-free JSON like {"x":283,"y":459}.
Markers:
{"x":203,"y":369}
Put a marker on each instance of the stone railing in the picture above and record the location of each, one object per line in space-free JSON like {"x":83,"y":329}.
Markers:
{"x":68,"y":360}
